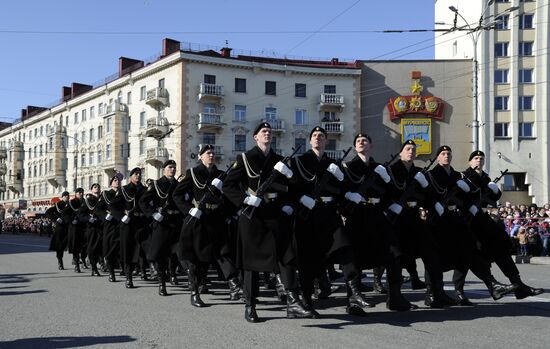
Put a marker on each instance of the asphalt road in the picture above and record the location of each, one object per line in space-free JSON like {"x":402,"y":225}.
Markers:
{"x":41,"y":307}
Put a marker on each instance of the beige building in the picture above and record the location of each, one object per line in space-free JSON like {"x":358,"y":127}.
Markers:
{"x":152,"y":111}
{"x":512,"y":60}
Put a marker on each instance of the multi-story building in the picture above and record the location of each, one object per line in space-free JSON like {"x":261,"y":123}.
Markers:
{"x":512,"y":61}
{"x":152,"y":111}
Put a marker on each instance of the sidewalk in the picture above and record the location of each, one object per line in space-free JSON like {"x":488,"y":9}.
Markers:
{"x":532,"y":260}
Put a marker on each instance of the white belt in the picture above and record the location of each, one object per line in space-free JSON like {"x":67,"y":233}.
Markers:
{"x":373,"y":201}
{"x":172,"y":211}
{"x":411,"y":203}
{"x":326,"y":199}
{"x":451,"y":207}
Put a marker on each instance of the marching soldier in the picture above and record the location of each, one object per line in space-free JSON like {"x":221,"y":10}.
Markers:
{"x":76,"y":228}
{"x":204,"y":231}
{"x":494,"y":243}
{"x":457,"y":250}
{"x":264,"y":233}
{"x":158,"y":203}
{"x":134,"y":225}
{"x":58,"y":242}
{"x":94,"y":228}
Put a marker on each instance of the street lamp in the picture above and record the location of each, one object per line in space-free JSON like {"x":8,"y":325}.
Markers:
{"x":475,"y":32}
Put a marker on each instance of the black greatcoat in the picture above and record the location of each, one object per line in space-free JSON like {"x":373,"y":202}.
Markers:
{"x":319,"y":232}
{"x":94,"y":229}
{"x":58,"y":241}
{"x":77,"y":225}
{"x":165,"y":234}
{"x":374,"y":240}
{"x":493,"y":240}
{"x":201,"y":240}
{"x":266,"y":238}
{"x":111,"y":202}
{"x":137,"y":229}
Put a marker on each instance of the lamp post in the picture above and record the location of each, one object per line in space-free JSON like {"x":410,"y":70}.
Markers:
{"x":475,"y":33}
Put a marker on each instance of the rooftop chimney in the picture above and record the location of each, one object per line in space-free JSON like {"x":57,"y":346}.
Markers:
{"x":65,"y":93}
{"x":226,"y":52}
{"x":169,"y":46}
{"x":78,"y":89}
{"x":23,"y":114}
{"x":128,"y":65}
{"x":334,"y":61}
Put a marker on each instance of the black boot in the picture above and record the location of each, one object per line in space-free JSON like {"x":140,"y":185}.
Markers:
{"x":235,"y":290}
{"x":378,"y":287}
{"x":294,"y":307}
{"x":280,"y":288}
{"x":417,"y":284}
{"x":396,"y":301}
{"x":196,"y":300}
{"x":129,"y":277}
{"x":76,"y":266}
{"x":308,"y":304}
{"x":523,"y":291}
{"x":60,"y":264}
{"x":173,"y":279}
{"x":84,"y":265}
{"x":144,"y":273}
{"x":95,"y":272}
{"x":463,"y":301}
{"x":202,"y":279}
{"x":250,"y":314}
{"x":154,"y":271}
{"x":437,"y":298}
{"x":162,"y":283}
{"x":111,"y":270}
{"x":269,"y":281}
{"x":498,"y":290}
{"x":325,"y":288}
{"x":356,"y":303}
{"x":103,"y":266}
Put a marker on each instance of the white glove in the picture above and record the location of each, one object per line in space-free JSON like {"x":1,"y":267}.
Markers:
{"x":307,"y":202}
{"x":158,"y":217}
{"x":217,"y":183}
{"x":383,"y":173}
{"x":125,"y":219}
{"x":493,"y":186}
{"x":287,"y":209}
{"x":283,"y":169}
{"x":75,"y":221}
{"x":252,"y":200}
{"x":336,"y":172}
{"x":473,"y":210}
{"x":353,"y":197}
{"x":396,"y":208}
{"x":108,"y":217}
{"x":463,"y":186}
{"x":421,"y":179}
{"x":59,"y":220}
{"x":92,"y":219}
{"x":439,"y":208}
{"x":195,"y":212}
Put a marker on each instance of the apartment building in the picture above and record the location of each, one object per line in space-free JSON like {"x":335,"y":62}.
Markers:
{"x":165,"y":109}
{"x":512,"y":60}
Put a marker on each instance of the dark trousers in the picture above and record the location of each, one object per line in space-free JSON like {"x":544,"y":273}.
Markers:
{"x":251,"y":282}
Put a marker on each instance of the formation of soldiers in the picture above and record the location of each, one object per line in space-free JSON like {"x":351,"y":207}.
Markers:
{"x":295,"y":217}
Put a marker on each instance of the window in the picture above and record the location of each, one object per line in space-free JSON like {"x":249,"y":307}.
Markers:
{"x":525,"y":48}
{"x":50,"y":164}
{"x":271,"y":88}
{"x":300,"y":142}
{"x":108,"y":152}
{"x":99,"y":156}
{"x":121,"y":147}
{"x":83,"y":160}
{"x":240,"y":143}
{"x":525,"y":102}
{"x":209,"y":79}
{"x":91,"y":158}
{"x":502,"y":22}
{"x":161,"y":83}
{"x":274,"y":142}
{"x":526,"y":130}
{"x":210,"y":108}
{"x":501,"y":103}
{"x":101,"y":108}
{"x":526,"y":75}
{"x":209,"y":138}
{"x":270,"y":113}
{"x":501,"y":129}
{"x":142,"y":121}
{"x":129,"y":98}
{"x":301,"y":117}
{"x":83,"y":137}
{"x":455,"y":48}
{"x":501,"y":49}
{"x":92,"y":112}
{"x":90,"y":181}
{"x":50,"y":143}
{"x":501,"y":76}
{"x":240,"y":113}
{"x":141,"y":146}
{"x":75,"y":139}
{"x":300,"y":90}
{"x":40,"y":151}
{"x":83,"y":112}
{"x":75,"y":119}
{"x":514,"y":182}
{"x":41,"y":131}
{"x":240,"y":85}
{"x":99,"y":132}
{"x":108,"y":125}
{"x":129,"y":121}
{"x":92,"y":135}
{"x":330,"y":89}
{"x":142,"y":93}
{"x":526,"y":21}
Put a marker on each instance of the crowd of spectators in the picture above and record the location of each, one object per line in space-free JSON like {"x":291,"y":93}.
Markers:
{"x":30,"y":225}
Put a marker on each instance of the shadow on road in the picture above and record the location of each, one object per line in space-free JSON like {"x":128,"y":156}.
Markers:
{"x":63,"y":342}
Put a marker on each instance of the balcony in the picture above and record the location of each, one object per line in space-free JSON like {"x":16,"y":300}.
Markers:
{"x":218,"y":151}
{"x":210,"y":91}
{"x":209,"y":122}
{"x":334,"y":154}
{"x":156,"y":156}
{"x":113,"y":108}
{"x":2,"y":185}
{"x":157,"y":97}
{"x":331,"y":101}
{"x":14,"y":184}
{"x":3,"y":153}
{"x":277,"y":125}
{"x":156,"y":127}
{"x":333,"y":127}
{"x":3,"y":169}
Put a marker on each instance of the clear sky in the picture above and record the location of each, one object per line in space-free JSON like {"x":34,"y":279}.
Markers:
{"x":49,"y":44}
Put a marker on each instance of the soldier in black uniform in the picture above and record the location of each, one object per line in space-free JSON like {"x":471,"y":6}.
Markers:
{"x":157,"y":203}
{"x":110,"y":209}
{"x":134,"y":225}
{"x":94,"y":228}
{"x":374,"y":240}
{"x":204,"y":234}
{"x":494,"y":243}
{"x":264,"y":233}
{"x":407,"y":191}
{"x":455,"y":241}
{"x":77,"y":227}
{"x":58,"y":242}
